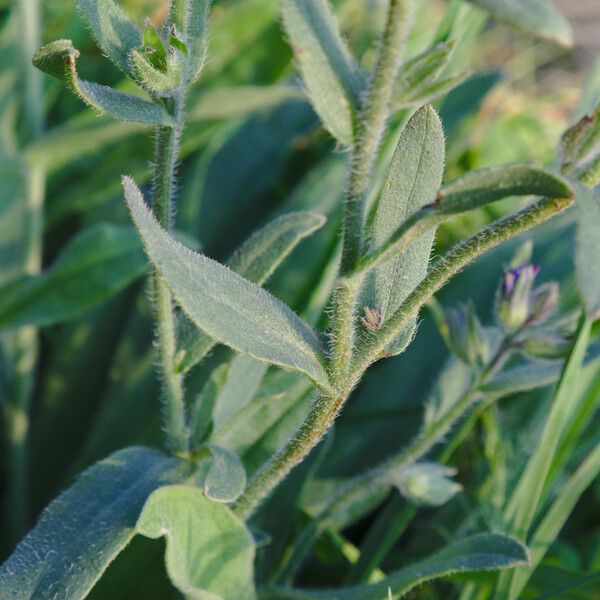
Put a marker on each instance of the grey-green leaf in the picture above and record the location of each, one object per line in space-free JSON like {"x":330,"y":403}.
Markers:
{"x":580,"y":149}
{"x":535,"y":16}
{"x":114,"y":31}
{"x":97,"y":264}
{"x":85,"y":528}
{"x":586,"y":255}
{"x":197,"y":37}
{"x":210,"y":553}
{"x":421,"y":78}
{"x":256,"y":260}
{"x":59,"y":59}
{"x":482,"y":552}
{"x":228,"y":307}
{"x":412,"y":180}
{"x":482,"y":186}
{"x":332,"y":77}
{"x":226,"y":477}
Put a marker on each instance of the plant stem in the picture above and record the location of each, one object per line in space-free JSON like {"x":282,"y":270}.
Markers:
{"x":166,"y":151}
{"x":373,"y":346}
{"x":16,"y":413}
{"x":325,"y":410}
{"x":370,"y":128}
{"x":309,"y":434}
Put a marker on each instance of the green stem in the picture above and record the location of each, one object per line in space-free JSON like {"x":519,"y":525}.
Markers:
{"x":16,"y":412}
{"x":306,"y":438}
{"x":373,"y":346}
{"x":166,"y":152}
{"x":178,"y":14}
{"x":370,"y":128}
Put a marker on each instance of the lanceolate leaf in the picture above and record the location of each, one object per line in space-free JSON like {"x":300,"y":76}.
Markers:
{"x":256,"y":260}
{"x":116,"y":34}
{"x":536,"y":16}
{"x":483,"y":186}
{"x":210,"y":552}
{"x":588,"y":242}
{"x":83,"y":530}
{"x":483,"y":552}
{"x":412,"y":181}
{"x":59,"y":59}
{"x":226,"y":306}
{"x":331,"y":75}
{"x":197,"y":38}
{"x":93,"y":267}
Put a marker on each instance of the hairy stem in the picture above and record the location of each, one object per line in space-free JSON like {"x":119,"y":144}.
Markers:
{"x":166,"y":151}
{"x":374,"y":345}
{"x":370,"y":128}
{"x":306,"y":438}
{"x":16,"y":412}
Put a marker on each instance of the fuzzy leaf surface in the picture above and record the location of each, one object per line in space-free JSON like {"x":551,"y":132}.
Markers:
{"x":82,"y":531}
{"x":59,"y":59}
{"x":482,"y":186}
{"x":210,"y":553}
{"x":256,"y":260}
{"x":482,"y":552}
{"x":535,"y":16}
{"x":580,"y":149}
{"x":226,"y":306}
{"x":226,"y":477}
{"x":197,"y":38}
{"x":114,"y":31}
{"x":413,"y":178}
{"x":97,"y":264}
{"x":332,"y":77}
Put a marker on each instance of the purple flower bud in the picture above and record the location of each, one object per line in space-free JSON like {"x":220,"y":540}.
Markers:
{"x":513,"y":301}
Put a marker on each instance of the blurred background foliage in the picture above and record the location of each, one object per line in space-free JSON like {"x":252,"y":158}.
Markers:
{"x":254,"y":149}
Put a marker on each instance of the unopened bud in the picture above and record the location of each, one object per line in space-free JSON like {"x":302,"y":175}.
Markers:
{"x":513,"y":300}
{"x":543,"y":303}
{"x":466,"y":336}
{"x":427,"y":484}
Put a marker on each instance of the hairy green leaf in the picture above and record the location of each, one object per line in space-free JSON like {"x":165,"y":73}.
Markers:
{"x":482,"y":186}
{"x":155,"y":81}
{"x":482,"y":552}
{"x":210,"y":552}
{"x":226,"y":306}
{"x":331,"y":75}
{"x":413,"y":178}
{"x":226,"y":477}
{"x":256,"y":260}
{"x":98,"y":263}
{"x":115,"y":33}
{"x":197,"y":38}
{"x":59,"y":59}
{"x":536,"y":16}
{"x":586,"y":256}
{"x":420,"y":80}
{"x":580,"y":149}
{"x":80,"y":533}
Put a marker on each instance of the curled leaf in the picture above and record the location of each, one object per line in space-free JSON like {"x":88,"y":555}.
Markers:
{"x":59,"y":59}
